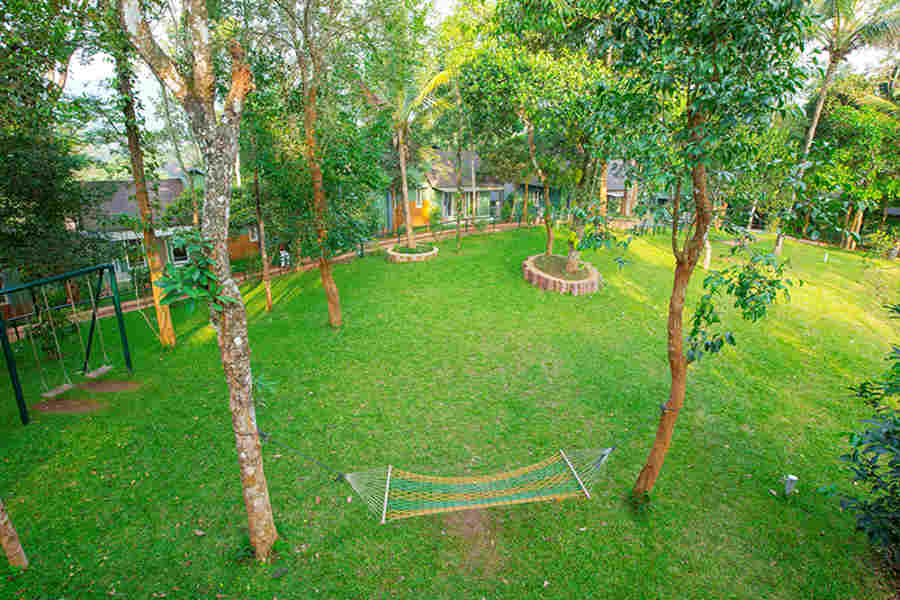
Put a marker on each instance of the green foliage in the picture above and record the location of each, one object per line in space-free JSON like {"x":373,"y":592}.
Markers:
{"x":194,"y":279}
{"x":874,"y":460}
{"x":755,"y":286}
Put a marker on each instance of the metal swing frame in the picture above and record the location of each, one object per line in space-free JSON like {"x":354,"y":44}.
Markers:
{"x":95,"y":301}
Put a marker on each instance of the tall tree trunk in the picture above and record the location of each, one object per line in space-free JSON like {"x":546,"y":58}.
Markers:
{"x":524,"y":214}
{"x":312,"y":160}
{"x":218,"y":142}
{"x":151,"y":244}
{"x":9,"y":539}
{"x":532,"y":150}
{"x":604,"y":186}
{"x":845,"y":235}
{"x":686,"y":260}
{"x":707,"y":252}
{"x":635,"y":190}
{"x":857,"y":227}
{"x":474,"y":187}
{"x":457,"y":196}
{"x":407,"y":211}
{"x":263,"y":253}
{"x":779,"y":242}
{"x":231,"y":328}
{"x":817,"y":114}
{"x":547,"y":224}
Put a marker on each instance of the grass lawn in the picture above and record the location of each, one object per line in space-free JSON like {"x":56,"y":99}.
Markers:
{"x":459,"y":366}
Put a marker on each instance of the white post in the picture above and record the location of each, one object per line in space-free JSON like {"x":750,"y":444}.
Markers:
{"x":575,"y":473}
{"x":387,"y":489}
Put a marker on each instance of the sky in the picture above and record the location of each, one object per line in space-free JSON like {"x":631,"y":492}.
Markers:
{"x":90,"y":77}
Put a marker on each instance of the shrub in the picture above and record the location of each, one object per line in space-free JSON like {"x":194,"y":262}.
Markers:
{"x":874,"y":459}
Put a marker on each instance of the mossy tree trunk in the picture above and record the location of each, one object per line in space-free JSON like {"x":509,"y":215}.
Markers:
{"x":9,"y":539}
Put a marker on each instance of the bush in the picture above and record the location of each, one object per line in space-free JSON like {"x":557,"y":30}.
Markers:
{"x":883,"y":242}
{"x":874,"y":459}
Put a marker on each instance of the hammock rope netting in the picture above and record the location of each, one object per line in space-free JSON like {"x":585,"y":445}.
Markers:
{"x":396,"y":494}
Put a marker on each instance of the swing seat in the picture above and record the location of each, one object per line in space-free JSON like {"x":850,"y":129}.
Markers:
{"x":57,"y":391}
{"x":99,"y":371}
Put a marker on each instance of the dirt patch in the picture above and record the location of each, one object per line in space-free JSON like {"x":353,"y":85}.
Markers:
{"x":477,"y":543}
{"x":109,"y":386}
{"x":556,"y":265}
{"x":70,"y":405}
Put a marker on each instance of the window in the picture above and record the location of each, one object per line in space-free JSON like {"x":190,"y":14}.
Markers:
{"x":179,"y":255}
{"x":484,"y":204}
{"x":419,"y":198}
{"x":254,"y":233}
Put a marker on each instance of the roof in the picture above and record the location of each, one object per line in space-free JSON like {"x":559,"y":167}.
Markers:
{"x":118,"y":198}
{"x":443,"y":172}
{"x":442,"y":175}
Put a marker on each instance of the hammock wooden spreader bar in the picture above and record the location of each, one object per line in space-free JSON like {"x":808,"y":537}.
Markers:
{"x":394,"y":494}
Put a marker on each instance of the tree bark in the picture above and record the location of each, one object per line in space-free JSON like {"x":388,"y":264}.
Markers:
{"x":312,"y":160}
{"x":845,"y":235}
{"x":263,"y":253}
{"x":9,"y":539}
{"x":779,"y":242}
{"x":474,"y":188}
{"x":752,"y":213}
{"x":857,"y":226}
{"x":457,"y":196}
{"x":707,"y":252}
{"x":826,"y":83}
{"x":686,"y":260}
{"x":604,"y":187}
{"x":532,"y":150}
{"x":151,"y":244}
{"x":407,"y":210}
{"x":218,"y":143}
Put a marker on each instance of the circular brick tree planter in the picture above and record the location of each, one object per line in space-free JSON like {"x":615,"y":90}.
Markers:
{"x":544,"y":281}
{"x":400,"y":257}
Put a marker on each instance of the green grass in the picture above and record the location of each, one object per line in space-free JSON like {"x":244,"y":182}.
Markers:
{"x":459,"y":366}
{"x":419,"y":249}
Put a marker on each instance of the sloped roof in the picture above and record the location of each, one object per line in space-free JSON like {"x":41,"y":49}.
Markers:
{"x":443,"y":173}
{"x":118,"y":198}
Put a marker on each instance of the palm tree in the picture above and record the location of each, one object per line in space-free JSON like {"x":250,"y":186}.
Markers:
{"x":411,"y":101}
{"x":847,"y":26}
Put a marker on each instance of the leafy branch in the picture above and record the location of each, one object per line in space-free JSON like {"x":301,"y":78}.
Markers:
{"x":194,"y":279}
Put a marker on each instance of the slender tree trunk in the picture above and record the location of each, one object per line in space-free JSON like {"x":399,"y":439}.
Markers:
{"x":312,"y":160}
{"x":857,"y":227}
{"x":707,"y":252}
{"x":457,"y":196}
{"x":218,"y":142}
{"x":407,"y":210}
{"x":9,"y":539}
{"x":474,"y":187}
{"x":686,"y":260}
{"x":845,"y":235}
{"x":151,"y":245}
{"x":263,"y":253}
{"x":230,"y":323}
{"x":524,"y":214}
{"x":547,"y":224}
{"x":817,"y":114}
{"x":752,"y":213}
{"x":779,"y":242}
{"x":604,"y":186}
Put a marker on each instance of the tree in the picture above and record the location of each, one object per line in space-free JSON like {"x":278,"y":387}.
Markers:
{"x":693,"y":71}
{"x":193,"y":83}
{"x":845,"y":27}
{"x":403,"y":81}
{"x":118,"y":46}
{"x":9,"y":539}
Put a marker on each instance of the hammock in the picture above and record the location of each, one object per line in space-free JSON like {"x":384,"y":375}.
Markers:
{"x":395,"y":494}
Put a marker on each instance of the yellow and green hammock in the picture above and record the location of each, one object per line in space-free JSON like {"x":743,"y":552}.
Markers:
{"x":396,"y":494}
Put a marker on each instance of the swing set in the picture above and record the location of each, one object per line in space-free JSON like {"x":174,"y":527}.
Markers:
{"x":42,"y":320}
